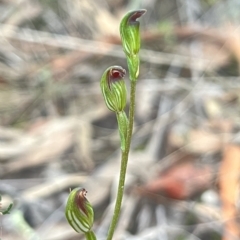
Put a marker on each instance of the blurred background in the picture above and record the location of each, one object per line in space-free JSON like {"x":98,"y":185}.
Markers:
{"x":56,"y":132}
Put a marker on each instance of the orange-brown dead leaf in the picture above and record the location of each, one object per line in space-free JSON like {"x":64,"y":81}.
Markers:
{"x":229,"y":189}
{"x":197,"y":141}
{"x":183,"y":181}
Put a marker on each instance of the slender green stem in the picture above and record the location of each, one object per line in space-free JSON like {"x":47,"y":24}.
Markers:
{"x":124,"y":161}
{"x":122,"y":127}
{"x":131,"y":113}
{"x":90,"y":236}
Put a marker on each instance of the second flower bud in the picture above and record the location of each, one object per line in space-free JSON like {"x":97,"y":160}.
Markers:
{"x":114,"y":88}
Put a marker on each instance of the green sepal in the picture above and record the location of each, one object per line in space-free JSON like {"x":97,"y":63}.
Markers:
{"x":79,"y":211}
{"x":122,"y":127}
{"x":114,"y":88}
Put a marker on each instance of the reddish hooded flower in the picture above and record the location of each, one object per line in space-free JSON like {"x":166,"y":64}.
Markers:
{"x":79,"y":212}
{"x":114,"y":89}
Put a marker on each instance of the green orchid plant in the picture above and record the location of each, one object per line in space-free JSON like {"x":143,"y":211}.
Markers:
{"x":79,"y":212}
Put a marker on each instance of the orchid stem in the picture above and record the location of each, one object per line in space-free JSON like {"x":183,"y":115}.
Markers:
{"x":90,"y":235}
{"x":124,"y":161}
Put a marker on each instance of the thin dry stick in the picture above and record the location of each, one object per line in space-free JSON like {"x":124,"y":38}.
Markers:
{"x":95,"y":47}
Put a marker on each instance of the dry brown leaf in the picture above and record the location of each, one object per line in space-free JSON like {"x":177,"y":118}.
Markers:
{"x":220,"y":125}
{"x":229,"y":190}
{"x":233,"y":43}
{"x":53,"y":138}
{"x":182,"y":181}
{"x":197,"y":141}
{"x":202,"y":142}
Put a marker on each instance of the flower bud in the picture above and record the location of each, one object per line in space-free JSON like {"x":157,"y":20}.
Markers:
{"x":78,"y":211}
{"x":129,"y":30}
{"x":114,"y":88}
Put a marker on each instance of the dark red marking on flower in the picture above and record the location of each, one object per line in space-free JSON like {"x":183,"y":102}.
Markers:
{"x":81,"y":200}
{"x":135,"y":15}
{"x":115,"y":74}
